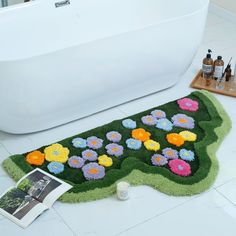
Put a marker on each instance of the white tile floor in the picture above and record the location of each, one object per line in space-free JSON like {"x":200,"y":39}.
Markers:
{"x":148,"y":211}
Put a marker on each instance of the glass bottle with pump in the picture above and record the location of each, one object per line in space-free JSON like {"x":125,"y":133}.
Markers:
{"x":218,"y":68}
{"x":207,"y":68}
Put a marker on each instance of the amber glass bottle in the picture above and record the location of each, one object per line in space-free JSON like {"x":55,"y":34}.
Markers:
{"x":207,"y":69}
{"x":218,"y":68}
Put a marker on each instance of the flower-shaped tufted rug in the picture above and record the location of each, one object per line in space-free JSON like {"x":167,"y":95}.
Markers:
{"x":171,"y":148}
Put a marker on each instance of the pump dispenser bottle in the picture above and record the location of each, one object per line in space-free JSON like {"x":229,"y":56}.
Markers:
{"x":218,"y":68}
{"x":207,"y":68}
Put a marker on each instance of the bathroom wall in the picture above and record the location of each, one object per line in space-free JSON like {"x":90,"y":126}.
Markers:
{"x":229,"y":5}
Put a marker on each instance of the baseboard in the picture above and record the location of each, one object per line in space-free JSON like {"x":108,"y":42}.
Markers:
{"x":222,"y":12}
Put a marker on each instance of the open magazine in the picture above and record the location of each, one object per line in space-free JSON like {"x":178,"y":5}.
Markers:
{"x":33,"y":194}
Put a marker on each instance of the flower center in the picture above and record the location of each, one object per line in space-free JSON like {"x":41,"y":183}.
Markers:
{"x":89,"y":154}
{"x":94,"y":142}
{"x":180,"y":167}
{"x":75,"y":162}
{"x":93,"y":171}
{"x":158,"y":159}
{"x":113,"y":135}
{"x":170,"y":153}
{"x":149,"y":119}
{"x":188,"y":104}
{"x":34,"y":157}
{"x":56,"y":153}
{"x":182,"y":120}
{"x":115,"y":149}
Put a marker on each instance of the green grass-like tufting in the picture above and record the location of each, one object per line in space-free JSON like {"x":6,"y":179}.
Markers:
{"x":213,"y":125}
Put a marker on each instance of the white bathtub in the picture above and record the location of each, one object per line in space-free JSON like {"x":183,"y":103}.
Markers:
{"x":61,"y":64}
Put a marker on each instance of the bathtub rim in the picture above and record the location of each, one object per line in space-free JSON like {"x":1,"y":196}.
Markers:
{"x":29,"y":4}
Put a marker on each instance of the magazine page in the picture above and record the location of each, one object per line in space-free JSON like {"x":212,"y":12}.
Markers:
{"x":42,"y":186}
{"x":20,"y":207}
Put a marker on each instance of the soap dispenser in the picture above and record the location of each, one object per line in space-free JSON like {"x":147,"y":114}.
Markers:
{"x":207,"y":68}
{"x":218,"y":68}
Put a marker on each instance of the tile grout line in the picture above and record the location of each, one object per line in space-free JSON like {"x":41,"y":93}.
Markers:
{"x":63,"y":220}
{"x":225,"y":197}
{"x":160,"y":214}
{"x":27,"y":149}
{"x":3,"y":146}
{"x":124,"y":113}
{"x":215,"y":187}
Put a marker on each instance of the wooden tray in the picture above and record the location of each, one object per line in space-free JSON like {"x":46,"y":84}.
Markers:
{"x":198,"y":83}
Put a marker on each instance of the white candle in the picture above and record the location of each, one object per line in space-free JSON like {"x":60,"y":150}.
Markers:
{"x":122,"y":190}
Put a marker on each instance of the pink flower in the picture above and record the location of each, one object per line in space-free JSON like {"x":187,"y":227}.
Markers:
{"x":188,"y":104}
{"x":180,"y":167}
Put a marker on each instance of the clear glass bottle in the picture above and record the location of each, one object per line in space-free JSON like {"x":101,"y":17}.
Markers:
{"x":220,"y":83}
{"x":232,"y":82}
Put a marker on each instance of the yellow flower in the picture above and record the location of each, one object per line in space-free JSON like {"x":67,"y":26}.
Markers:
{"x":152,"y":145}
{"x":188,"y":136}
{"x":56,"y":152}
{"x":104,"y":160}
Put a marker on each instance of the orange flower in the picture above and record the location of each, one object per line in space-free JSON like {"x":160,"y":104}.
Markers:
{"x":35,"y":158}
{"x":141,"y":134}
{"x":175,"y":139}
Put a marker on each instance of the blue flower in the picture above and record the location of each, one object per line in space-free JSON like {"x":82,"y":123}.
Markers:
{"x":186,"y":155}
{"x":79,"y":143}
{"x":55,"y":167}
{"x":133,"y":144}
{"x":129,"y":124}
{"x":164,"y":124}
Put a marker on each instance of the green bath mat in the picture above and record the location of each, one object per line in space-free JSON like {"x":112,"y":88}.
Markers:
{"x":171,"y":148}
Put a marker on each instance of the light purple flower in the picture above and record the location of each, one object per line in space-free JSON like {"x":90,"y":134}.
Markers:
{"x":159,"y":160}
{"x":114,"y":136}
{"x":89,"y":155}
{"x":75,"y":162}
{"x":114,"y":149}
{"x":183,"y":121}
{"x":158,"y":114}
{"x":94,"y":142}
{"x":170,"y":153}
{"x":149,"y":120}
{"x":93,"y":171}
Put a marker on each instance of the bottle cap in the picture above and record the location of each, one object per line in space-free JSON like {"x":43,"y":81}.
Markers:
{"x":219,"y":58}
{"x":209,"y":53}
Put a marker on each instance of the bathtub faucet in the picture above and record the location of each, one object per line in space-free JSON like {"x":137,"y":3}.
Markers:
{"x":4,"y":3}
{"x":62,"y":3}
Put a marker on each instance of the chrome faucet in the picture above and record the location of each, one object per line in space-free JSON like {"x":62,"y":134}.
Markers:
{"x":4,"y":3}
